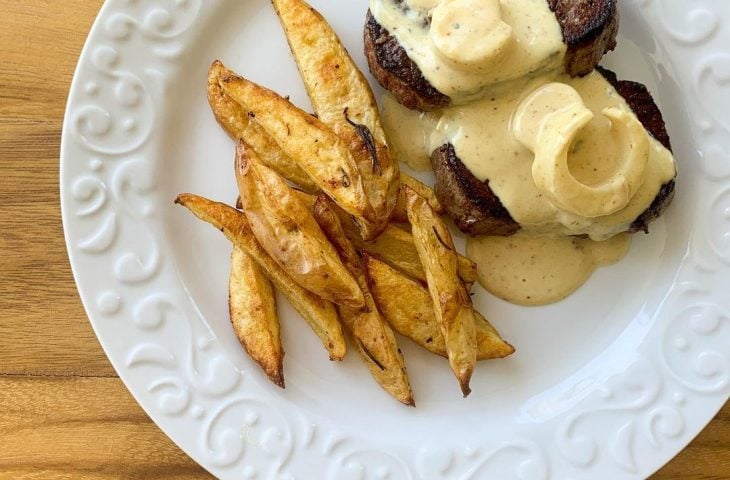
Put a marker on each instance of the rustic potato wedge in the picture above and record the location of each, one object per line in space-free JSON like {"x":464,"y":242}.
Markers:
{"x":399,"y":212}
{"x":317,"y":312}
{"x":236,"y":122}
{"x":406,"y":306}
{"x":252,"y":307}
{"x":395,"y":246}
{"x":451,"y":300}
{"x":343,"y":100}
{"x":306,"y":198}
{"x":315,"y":148}
{"x":289,"y":233}
{"x":372,"y":336}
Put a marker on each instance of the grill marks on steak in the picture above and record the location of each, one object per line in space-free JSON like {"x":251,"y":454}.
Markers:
{"x":477,"y":210}
{"x":589,"y":30}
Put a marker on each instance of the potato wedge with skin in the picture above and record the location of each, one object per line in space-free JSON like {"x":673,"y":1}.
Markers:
{"x":289,"y":233}
{"x":343,"y":100}
{"x":252,"y":307}
{"x":406,"y":306}
{"x":330,"y":76}
{"x":372,"y":336}
{"x":395,"y":246}
{"x":451,"y":301}
{"x":235,"y":121}
{"x":317,"y":312}
{"x":306,"y":198}
{"x":399,"y":212}
{"x":305,"y":139}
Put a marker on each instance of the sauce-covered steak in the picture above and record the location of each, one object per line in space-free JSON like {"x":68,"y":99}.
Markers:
{"x":475,"y":208}
{"x":589,"y":29}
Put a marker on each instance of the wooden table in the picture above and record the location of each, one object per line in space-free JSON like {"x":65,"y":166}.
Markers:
{"x":63,"y":411}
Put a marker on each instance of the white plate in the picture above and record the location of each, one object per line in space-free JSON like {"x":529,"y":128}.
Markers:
{"x":610,"y":383}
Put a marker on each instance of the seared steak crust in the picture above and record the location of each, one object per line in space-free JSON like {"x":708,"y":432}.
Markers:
{"x":589,"y":30}
{"x":390,"y":65}
{"x":643,"y":105}
{"x":657,"y":207}
{"x":476,"y":209}
{"x":472,"y":204}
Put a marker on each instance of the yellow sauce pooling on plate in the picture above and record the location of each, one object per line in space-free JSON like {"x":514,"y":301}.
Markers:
{"x":485,"y":142}
{"x":567,"y":157}
{"x":539,"y":269}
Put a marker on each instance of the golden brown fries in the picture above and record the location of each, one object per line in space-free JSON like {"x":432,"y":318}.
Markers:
{"x":318,"y":193}
{"x":306,"y":198}
{"x":235,"y":121}
{"x":252,"y":306}
{"x":395,"y":246}
{"x":399,"y":212}
{"x":372,"y":336}
{"x":289,"y":233}
{"x":406,"y":306}
{"x":317,"y":312}
{"x":451,"y":300}
{"x":315,"y":148}
{"x":343,"y":100}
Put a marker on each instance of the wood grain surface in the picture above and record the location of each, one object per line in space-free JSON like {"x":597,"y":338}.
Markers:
{"x":63,"y":412}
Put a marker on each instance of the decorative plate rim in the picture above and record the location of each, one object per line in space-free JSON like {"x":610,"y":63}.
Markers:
{"x":235,"y":428}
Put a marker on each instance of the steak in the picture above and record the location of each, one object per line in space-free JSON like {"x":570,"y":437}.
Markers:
{"x":589,"y":31}
{"x":471,"y":203}
{"x":476,"y":209}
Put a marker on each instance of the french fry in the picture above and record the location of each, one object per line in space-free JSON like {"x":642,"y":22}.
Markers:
{"x":343,"y":100}
{"x":371,"y":335}
{"x":395,"y":246}
{"x":399,"y":212}
{"x":289,"y":233}
{"x":317,"y":312}
{"x":406,"y":306}
{"x":451,"y":301}
{"x":236,"y":122}
{"x":315,"y":148}
{"x":306,"y":198}
{"x":252,"y":307}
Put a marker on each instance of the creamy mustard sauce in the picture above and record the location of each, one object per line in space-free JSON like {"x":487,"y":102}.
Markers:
{"x":497,"y":139}
{"x":550,"y":120}
{"x":567,"y":157}
{"x":537,"y":269}
{"x":463,"y":46}
{"x":482,"y":135}
{"x":409,"y":133}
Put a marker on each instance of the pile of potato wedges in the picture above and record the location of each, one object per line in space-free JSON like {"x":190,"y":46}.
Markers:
{"x":326,"y":217}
